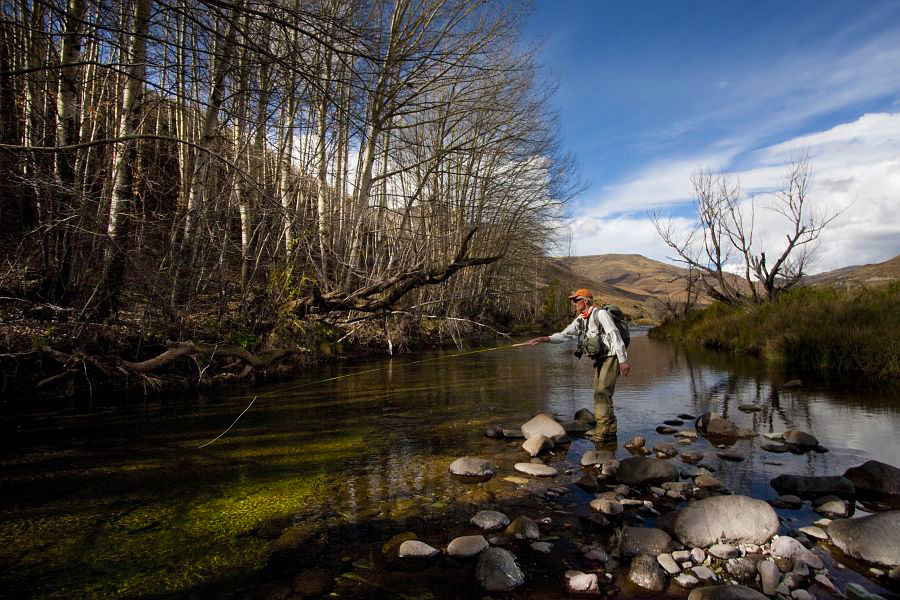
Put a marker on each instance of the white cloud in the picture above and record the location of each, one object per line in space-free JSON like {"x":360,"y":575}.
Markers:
{"x":856,"y":167}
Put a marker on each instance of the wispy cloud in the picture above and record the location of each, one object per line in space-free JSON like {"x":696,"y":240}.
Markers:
{"x":856,"y":170}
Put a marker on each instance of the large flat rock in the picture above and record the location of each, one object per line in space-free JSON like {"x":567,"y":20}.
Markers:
{"x":873,"y":539}
{"x":738,"y":519}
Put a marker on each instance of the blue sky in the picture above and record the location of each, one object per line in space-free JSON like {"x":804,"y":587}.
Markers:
{"x":649,"y":91}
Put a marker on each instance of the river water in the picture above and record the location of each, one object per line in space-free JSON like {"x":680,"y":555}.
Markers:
{"x":117,"y":498}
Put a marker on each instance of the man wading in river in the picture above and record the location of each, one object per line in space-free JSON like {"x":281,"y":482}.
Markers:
{"x":597,"y":334}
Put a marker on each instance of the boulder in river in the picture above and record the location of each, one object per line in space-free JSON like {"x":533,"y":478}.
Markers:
{"x":470,"y":466}
{"x":636,"y":442}
{"x":523,"y":528}
{"x":692,"y":457}
{"x":725,"y":592}
{"x":543,"y":424}
{"x":467,"y":545}
{"x":645,"y":471}
{"x":576,"y":428}
{"x":814,"y":486}
{"x":725,"y":518}
{"x":873,"y":539}
{"x":720,"y":427}
{"x":646,"y":573}
{"x":874,"y":477}
{"x":417,"y":549}
{"x":537,"y":444}
{"x":497,"y":570}
{"x":585,"y":415}
{"x":536,"y":469}
{"x":644,"y":540}
{"x":787,"y":547}
{"x":665,"y":450}
{"x":596,"y":457}
{"x":666,"y":429}
{"x":800,"y":438}
{"x":489,"y":520}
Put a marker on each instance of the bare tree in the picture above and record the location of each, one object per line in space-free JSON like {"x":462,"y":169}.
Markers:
{"x":721,"y":247}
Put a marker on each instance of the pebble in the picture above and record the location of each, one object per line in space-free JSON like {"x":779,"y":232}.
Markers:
{"x":826,"y":583}
{"x":687,"y":580}
{"x":681,"y":555}
{"x":823,"y":522}
{"x":703,"y":573}
{"x":876,"y":572}
{"x":698,"y":555}
{"x":769,"y":576}
{"x":802,"y":594}
{"x":607,"y":507}
{"x":668,"y":563}
{"x":724,"y":551}
{"x":582,"y":583}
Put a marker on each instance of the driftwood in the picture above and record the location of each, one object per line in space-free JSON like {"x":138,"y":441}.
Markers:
{"x":112,"y":365}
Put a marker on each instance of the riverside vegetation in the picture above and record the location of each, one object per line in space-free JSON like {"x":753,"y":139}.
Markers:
{"x":839,"y":330}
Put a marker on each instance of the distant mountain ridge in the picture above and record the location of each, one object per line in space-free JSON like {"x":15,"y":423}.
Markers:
{"x":633,"y":280}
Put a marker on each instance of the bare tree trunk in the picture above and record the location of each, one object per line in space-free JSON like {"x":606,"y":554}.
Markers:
{"x":125,"y":190}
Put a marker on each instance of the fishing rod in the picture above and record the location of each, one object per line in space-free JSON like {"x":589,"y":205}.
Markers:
{"x":327,"y":379}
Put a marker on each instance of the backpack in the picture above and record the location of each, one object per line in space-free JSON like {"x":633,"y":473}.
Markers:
{"x":595,"y":346}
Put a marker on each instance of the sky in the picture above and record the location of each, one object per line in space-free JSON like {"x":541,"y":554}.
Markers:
{"x":651,"y":91}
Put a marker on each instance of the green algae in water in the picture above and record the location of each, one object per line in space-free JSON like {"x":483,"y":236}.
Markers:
{"x":173,"y":537}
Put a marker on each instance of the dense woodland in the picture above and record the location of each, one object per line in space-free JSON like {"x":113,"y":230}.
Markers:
{"x":275,"y":162}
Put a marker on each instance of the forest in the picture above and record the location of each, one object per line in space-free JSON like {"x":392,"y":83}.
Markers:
{"x":242,"y":180}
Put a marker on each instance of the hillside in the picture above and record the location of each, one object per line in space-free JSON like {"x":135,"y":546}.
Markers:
{"x":888,"y":270}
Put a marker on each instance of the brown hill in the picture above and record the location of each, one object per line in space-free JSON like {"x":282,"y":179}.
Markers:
{"x":886,"y":271}
{"x":631,"y":273}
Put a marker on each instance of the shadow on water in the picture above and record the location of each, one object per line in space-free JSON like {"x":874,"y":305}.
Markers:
{"x":118,"y":501}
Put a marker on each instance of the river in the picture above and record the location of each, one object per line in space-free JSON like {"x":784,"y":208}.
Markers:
{"x":116,"y":498}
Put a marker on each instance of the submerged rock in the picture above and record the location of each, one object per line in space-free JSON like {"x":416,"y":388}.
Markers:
{"x":666,"y":429}
{"x":819,"y":486}
{"x":644,"y":471}
{"x":470,"y":466}
{"x":718,"y":426}
{"x":875,"y":477}
{"x":494,"y":431}
{"x":725,"y":518}
{"x":536,"y":469}
{"x":748,"y":408}
{"x":725,"y":592}
{"x":800,"y":438}
{"x":588,"y":482}
{"x":497,"y":570}
{"x":873,"y":539}
{"x":490,"y":520}
{"x":542,"y":424}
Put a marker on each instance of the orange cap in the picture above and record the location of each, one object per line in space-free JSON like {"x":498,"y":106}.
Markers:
{"x":582,"y":293}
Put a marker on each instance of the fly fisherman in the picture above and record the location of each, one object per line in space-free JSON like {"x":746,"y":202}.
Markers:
{"x":598,"y":335}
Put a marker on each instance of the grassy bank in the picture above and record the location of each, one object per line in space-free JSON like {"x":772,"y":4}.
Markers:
{"x":840,"y":330}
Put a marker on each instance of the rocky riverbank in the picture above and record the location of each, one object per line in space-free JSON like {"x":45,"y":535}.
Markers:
{"x":630,"y":522}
